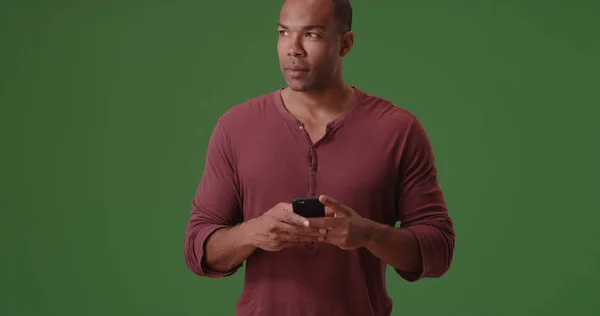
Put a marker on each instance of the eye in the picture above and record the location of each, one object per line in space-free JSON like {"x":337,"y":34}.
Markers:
{"x":313,"y":35}
{"x":282,"y":32}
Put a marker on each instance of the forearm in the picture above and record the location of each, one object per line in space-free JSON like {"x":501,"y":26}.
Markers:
{"x":227,"y":248}
{"x":397,"y":247}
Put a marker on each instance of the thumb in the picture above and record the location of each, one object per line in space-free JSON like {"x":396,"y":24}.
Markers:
{"x":329,"y":212}
{"x":289,"y":216}
{"x":336,"y":207}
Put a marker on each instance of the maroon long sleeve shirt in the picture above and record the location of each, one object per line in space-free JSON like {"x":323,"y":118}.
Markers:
{"x":376,"y":159}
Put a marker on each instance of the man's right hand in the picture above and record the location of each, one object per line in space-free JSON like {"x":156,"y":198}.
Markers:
{"x":279,"y":228}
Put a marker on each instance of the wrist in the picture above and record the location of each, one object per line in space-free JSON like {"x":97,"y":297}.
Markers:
{"x":375,"y":232}
{"x":248,"y":233}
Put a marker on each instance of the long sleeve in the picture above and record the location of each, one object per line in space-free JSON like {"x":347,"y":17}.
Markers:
{"x":421,"y":206}
{"x":216,"y":203}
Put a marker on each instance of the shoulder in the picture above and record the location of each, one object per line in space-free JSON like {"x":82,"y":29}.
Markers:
{"x":383,"y":113}
{"x":394,"y":124}
{"x":250,"y":111}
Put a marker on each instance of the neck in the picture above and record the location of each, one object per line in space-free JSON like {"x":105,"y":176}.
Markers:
{"x":332,"y":99}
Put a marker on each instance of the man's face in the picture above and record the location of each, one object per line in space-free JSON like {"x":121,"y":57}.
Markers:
{"x":309,"y":45}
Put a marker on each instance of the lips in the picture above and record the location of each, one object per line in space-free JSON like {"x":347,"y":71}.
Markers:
{"x":296,"y":71}
{"x":296,"y":68}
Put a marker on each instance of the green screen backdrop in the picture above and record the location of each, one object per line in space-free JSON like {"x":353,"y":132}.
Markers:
{"x":107,"y":108}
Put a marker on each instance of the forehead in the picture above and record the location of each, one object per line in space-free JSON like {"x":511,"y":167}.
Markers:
{"x":298,"y":13}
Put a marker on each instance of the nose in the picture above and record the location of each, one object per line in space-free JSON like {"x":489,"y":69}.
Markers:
{"x":296,"y":49}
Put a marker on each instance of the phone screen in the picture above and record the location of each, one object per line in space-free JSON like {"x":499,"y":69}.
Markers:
{"x":308,"y":207}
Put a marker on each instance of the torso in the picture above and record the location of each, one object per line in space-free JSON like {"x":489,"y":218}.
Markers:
{"x":355,"y":160}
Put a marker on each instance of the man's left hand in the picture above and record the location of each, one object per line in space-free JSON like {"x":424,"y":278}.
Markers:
{"x":342,"y":226}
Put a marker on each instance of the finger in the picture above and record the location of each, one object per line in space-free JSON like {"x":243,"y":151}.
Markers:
{"x":282,"y":227}
{"x":309,"y":231}
{"x":291,"y":238}
{"x":296,"y":219}
{"x":326,"y":222}
{"x":329,"y":212}
{"x":285,"y":206}
{"x":335,"y":206}
{"x":293,"y":229}
{"x":288,"y":216}
{"x":333,"y":240}
{"x":335,"y":232}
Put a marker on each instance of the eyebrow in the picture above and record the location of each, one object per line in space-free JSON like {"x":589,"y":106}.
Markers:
{"x":306,"y":27}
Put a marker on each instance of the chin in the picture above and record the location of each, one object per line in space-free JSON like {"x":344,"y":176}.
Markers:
{"x":299,"y":86}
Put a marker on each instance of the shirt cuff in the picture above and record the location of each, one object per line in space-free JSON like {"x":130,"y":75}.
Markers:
{"x":199,"y":247}
{"x":429,"y":240}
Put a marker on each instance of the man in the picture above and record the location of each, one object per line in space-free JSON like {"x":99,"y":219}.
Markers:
{"x":368,"y":161}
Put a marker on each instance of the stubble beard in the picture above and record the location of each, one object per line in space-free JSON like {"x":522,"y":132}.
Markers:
{"x":310,"y":83}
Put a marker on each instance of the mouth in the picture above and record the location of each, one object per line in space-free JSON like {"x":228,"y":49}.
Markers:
{"x":296,"y":71}
{"x":296,"y":68}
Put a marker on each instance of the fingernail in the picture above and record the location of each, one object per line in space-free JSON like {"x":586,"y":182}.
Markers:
{"x":322,"y":231}
{"x":306,"y":223}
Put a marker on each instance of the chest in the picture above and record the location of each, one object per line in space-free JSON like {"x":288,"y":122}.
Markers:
{"x":314,"y":130}
{"x":359,"y":172}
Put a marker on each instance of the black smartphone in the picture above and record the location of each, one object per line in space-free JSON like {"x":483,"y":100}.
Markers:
{"x":308,"y":207}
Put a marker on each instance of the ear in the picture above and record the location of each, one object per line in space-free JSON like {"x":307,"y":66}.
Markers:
{"x":347,"y":43}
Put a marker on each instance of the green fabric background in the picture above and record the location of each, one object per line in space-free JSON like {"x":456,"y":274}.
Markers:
{"x":107,"y":107}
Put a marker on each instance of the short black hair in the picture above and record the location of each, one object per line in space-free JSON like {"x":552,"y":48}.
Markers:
{"x":342,"y":11}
